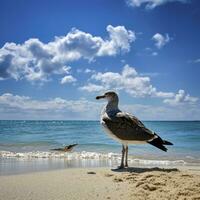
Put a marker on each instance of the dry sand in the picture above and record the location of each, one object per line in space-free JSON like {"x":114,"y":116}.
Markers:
{"x":103,"y":183}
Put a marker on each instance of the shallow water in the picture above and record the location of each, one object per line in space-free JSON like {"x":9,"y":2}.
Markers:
{"x":25,"y":142}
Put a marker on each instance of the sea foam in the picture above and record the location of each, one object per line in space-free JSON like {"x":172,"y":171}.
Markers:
{"x":87,"y":156}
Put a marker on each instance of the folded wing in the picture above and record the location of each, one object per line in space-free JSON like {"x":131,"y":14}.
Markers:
{"x":128,"y":127}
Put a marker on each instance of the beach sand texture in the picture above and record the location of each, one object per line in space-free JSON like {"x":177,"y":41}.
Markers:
{"x":103,"y":183}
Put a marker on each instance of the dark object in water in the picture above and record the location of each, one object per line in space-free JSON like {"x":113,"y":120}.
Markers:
{"x":66,"y":148}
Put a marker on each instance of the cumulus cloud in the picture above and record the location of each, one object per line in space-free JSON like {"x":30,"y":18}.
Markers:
{"x":181,"y":98}
{"x":161,"y":40}
{"x":119,"y":41}
{"x":128,"y":80}
{"x":68,"y":79}
{"x":34,"y":60}
{"x":135,"y":84}
{"x":151,"y":4}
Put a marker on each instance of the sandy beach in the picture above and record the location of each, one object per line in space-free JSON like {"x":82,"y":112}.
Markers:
{"x":103,"y":183}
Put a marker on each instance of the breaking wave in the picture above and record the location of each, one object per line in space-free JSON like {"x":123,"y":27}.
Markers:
{"x":88,"y":156}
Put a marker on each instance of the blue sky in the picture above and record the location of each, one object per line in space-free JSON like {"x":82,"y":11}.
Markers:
{"x":55,"y":57}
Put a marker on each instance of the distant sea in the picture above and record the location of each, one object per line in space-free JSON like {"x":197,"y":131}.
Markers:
{"x":26,"y":145}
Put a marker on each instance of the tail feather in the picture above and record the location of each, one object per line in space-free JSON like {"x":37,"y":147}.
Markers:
{"x":159,"y":143}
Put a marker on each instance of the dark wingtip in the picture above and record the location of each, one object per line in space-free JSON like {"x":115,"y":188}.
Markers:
{"x":167,"y":142}
{"x":159,"y":143}
{"x":162,"y":148}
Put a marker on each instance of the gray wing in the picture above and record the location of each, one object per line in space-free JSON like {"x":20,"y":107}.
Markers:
{"x":128,"y":127}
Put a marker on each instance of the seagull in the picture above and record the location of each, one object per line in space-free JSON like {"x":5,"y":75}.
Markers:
{"x":126,"y":128}
{"x":66,"y":148}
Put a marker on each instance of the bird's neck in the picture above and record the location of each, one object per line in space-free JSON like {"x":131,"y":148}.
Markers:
{"x":112,"y":106}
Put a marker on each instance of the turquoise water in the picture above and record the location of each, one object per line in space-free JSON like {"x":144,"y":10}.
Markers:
{"x":25,"y":136}
{"x":28,"y":138}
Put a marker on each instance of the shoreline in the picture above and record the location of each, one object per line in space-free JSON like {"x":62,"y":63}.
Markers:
{"x":103,"y":183}
{"x":12,"y":163}
{"x":15,"y":166}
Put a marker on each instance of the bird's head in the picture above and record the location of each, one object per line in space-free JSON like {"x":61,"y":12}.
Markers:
{"x":110,"y":96}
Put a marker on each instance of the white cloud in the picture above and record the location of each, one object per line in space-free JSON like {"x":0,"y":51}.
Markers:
{"x":137,"y":85}
{"x":181,"y":98}
{"x":68,"y":79}
{"x":119,"y":41}
{"x":92,"y":88}
{"x":151,"y":4}
{"x":23,"y":107}
{"x":87,"y":71}
{"x":34,"y":60}
{"x":128,"y":80}
{"x":24,"y":102}
{"x":164,"y":112}
{"x":164,"y":94}
{"x":161,"y":40}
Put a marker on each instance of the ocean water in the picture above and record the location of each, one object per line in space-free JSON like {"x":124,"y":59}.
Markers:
{"x":26,"y":145}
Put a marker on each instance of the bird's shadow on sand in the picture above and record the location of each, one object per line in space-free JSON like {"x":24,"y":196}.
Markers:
{"x":142,"y":170}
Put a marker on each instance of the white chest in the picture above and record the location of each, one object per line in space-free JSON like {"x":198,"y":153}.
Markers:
{"x":107,"y":130}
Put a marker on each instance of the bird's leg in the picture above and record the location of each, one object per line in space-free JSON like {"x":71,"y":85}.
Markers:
{"x":126,"y":154}
{"x":122,"y":160}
